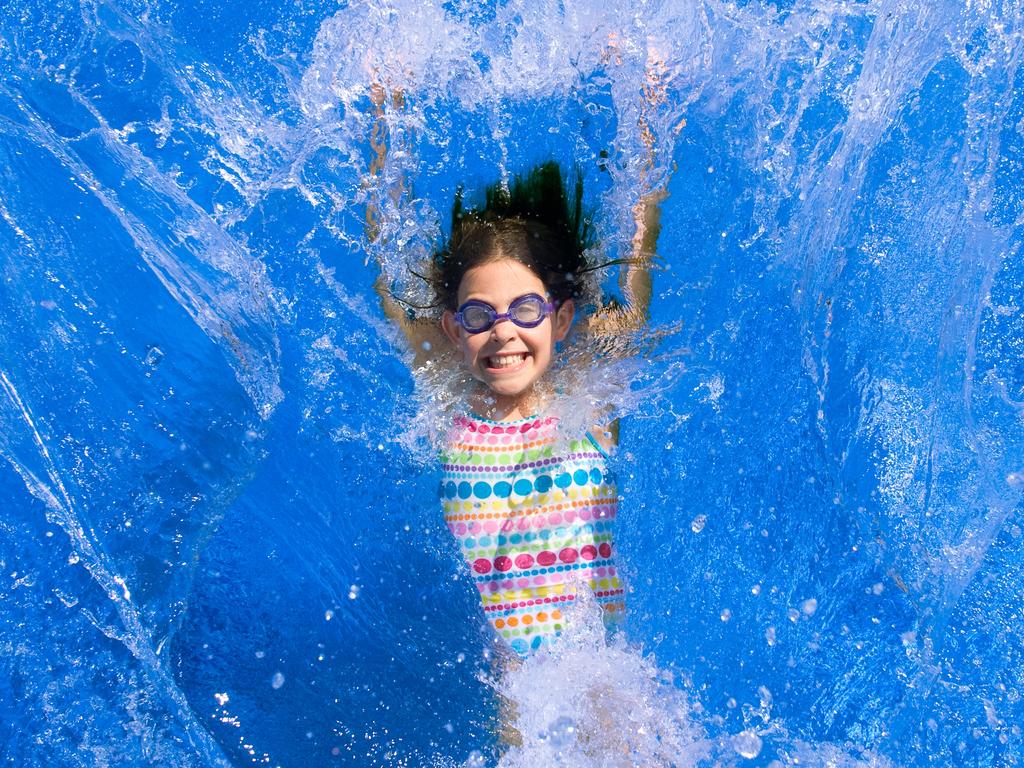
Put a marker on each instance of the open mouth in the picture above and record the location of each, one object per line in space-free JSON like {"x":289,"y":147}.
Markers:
{"x":504,"y":362}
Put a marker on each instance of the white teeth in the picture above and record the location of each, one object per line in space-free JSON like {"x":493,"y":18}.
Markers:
{"x":506,"y":361}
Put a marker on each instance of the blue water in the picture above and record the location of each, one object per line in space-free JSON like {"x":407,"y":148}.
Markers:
{"x":220,"y":543}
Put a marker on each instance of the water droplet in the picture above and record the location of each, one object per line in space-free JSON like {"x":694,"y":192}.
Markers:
{"x":328,"y":614}
{"x":353,"y":592}
{"x":153,"y":356}
{"x":809,"y":606}
{"x":277,"y":681}
{"x":562,"y":732}
{"x":698,"y":523}
{"x":475,"y":760}
{"x":747,"y":744}
{"x":222,"y":698}
{"x":726,"y":614}
{"x":769,"y":635}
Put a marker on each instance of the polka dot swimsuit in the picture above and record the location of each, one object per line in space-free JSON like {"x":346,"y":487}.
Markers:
{"x":534,"y":516}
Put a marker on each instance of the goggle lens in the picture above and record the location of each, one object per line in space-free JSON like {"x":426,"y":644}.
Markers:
{"x":527,"y":311}
{"x":477,"y":318}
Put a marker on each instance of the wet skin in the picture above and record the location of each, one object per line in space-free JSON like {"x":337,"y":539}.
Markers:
{"x":507,"y":359}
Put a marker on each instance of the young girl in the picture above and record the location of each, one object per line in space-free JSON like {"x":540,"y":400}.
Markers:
{"x":533,"y":508}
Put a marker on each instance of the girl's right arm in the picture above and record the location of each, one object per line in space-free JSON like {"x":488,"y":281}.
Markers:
{"x":422,"y":334}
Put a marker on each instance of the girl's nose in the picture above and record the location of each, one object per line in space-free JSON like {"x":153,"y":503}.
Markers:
{"x":503,"y":330}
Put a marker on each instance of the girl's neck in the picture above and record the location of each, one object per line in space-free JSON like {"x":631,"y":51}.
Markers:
{"x":499,"y":408}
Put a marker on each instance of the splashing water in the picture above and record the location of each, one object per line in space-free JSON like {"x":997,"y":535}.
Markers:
{"x":591,"y":703}
{"x":221,"y":542}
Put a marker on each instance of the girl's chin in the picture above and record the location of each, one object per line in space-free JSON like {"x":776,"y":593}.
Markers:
{"x":508,"y":390}
{"x":510,"y":393}
{"x":507,"y":382}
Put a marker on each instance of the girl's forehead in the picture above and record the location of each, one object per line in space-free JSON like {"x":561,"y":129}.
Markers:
{"x":501,"y":278}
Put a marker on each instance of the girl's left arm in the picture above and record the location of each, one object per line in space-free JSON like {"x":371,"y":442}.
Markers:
{"x":635,"y":284}
{"x":619,"y":321}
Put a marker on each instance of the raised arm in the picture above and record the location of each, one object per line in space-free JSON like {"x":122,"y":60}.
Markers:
{"x":635,"y":277}
{"x":616,"y":323}
{"x":635,"y":281}
{"x":423,"y":335}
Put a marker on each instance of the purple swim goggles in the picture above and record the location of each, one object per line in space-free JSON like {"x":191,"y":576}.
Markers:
{"x":527,"y":311}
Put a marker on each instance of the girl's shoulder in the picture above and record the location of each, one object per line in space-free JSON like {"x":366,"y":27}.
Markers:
{"x":605,"y":437}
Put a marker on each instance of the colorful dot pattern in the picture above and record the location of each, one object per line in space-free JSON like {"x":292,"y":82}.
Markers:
{"x":534,"y":515}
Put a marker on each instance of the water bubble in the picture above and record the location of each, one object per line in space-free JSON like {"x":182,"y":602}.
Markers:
{"x":222,"y":698}
{"x":726,"y":614}
{"x":747,"y":744}
{"x":277,"y":681}
{"x":124,"y":63}
{"x":769,"y":635}
{"x":475,"y":760}
{"x":153,"y":356}
{"x":562,"y":732}
{"x":698,"y":523}
{"x":328,"y":614}
{"x":809,"y":607}
{"x":353,"y":592}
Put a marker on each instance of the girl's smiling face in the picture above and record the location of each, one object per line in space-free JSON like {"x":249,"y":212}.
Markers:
{"x":509,"y":359}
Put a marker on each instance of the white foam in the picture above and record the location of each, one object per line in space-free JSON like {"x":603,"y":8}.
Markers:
{"x":591,"y":702}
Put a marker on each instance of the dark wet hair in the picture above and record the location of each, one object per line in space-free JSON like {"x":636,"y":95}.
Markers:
{"x":535,"y":221}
